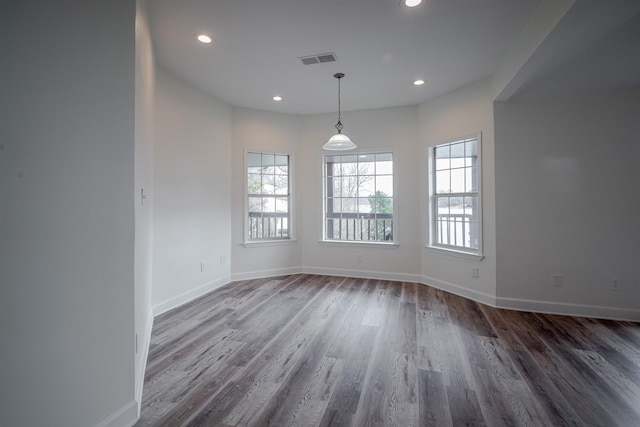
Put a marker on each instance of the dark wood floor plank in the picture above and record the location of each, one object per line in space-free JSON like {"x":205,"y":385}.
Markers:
{"x":464,"y":406}
{"x":569,"y":381}
{"x":433,"y":406}
{"x":543,"y":389}
{"x":372,"y":407}
{"x":308,"y":350}
{"x":344,"y":401}
{"x":403,"y":407}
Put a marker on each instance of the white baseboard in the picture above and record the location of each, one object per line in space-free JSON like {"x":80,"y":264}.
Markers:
{"x":471,"y":294}
{"x":261,"y":274}
{"x":567,"y":309}
{"x":126,"y":416}
{"x":362,"y":274}
{"x":188,"y":296}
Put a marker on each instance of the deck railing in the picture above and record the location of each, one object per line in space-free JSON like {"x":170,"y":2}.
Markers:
{"x":359,"y":227}
{"x":457,"y":230}
{"x":268,"y":225}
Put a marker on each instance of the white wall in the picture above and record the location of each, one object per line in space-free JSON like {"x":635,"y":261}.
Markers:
{"x":567,"y":199}
{"x":270,"y":132}
{"x":460,"y":113}
{"x":389,"y":128}
{"x":192,"y":185}
{"x":67,"y":217}
{"x":144,"y":98}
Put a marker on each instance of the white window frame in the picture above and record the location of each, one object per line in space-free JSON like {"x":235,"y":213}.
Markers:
{"x":393,"y":242}
{"x":248,"y":241}
{"x":432,"y":243}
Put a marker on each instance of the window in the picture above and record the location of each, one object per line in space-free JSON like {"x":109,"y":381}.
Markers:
{"x":454,"y":171}
{"x":358,"y":197}
{"x":268,"y":196}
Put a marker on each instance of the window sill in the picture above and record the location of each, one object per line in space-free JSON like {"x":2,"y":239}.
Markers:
{"x":455,"y":253}
{"x":356,"y":243}
{"x":275,"y":242}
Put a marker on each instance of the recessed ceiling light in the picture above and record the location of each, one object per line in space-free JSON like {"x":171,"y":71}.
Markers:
{"x":412,"y":3}
{"x":203,"y":38}
{"x":277,"y":98}
{"x":418,"y":82}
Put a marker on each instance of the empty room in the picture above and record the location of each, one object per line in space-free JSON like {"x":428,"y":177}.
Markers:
{"x":320,"y":213}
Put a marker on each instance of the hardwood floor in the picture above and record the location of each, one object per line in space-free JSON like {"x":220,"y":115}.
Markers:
{"x":307,"y":350}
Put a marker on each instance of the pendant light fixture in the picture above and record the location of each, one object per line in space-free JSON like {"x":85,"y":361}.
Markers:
{"x":339,"y":141}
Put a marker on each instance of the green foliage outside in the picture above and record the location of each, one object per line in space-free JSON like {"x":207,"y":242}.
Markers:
{"x":381,"y":203}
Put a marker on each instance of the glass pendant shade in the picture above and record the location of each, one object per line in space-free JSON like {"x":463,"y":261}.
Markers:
{"x":339,"y":142}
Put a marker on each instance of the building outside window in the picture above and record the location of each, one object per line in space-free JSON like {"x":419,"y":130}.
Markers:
{"x":268,"y":196}
{"x":455,"y":196}
{"x":359,"y":197}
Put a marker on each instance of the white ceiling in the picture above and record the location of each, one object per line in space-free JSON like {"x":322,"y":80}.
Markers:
{"x":382,"y":47}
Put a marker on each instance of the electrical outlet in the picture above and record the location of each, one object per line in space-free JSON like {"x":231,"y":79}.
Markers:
{"x":475,"y":272}
{"x":558,"y":280}
{"x":202,"y":266}
{"x":358,"y":257}
{"x":223,"y":259}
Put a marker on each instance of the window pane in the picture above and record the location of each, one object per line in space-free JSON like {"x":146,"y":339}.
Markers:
{"x":457,"y":151}
{"x":471,"y":181}
{"x":457,"y":162}
{"x":443,"y":184}
{"x":349,"y":169}
{"x":281,"y":183}
{"x":471,"y":148}
{"x":442,"y":157}
{"x":470,"y":204}
{"x":457,"y":180}
{"x":254,"y":160}
{"x":384,"y":185}
{"x":281,"y":204}
{"x":268,"y":184}
{"x":268,"y":159}
{"x":383,"y":205}
{"x":255,"y":204}
{"x":349,"y":205}
{"x":254,"y":184}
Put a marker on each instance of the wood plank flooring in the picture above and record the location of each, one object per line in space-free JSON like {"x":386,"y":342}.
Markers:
{"x":306,"y":350}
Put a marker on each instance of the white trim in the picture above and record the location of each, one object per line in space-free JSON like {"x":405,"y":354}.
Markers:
{"x":568,"y":309}
{"x":481,"y":297}
{"x":359,"y":243}
{"x":143,"y":369}
{"x":274,"y":242}
{"x":362,"y":274}
{"x":188,"y":296}
{"x":454,"y":253}
{"x":125,"y":416}
{"x":261,"y":274}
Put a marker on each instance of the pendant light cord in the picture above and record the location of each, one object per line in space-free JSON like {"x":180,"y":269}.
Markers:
{"x":339,"y":124}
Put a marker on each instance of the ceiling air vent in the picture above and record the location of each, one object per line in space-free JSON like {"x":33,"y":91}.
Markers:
{"x":318,"y":59}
